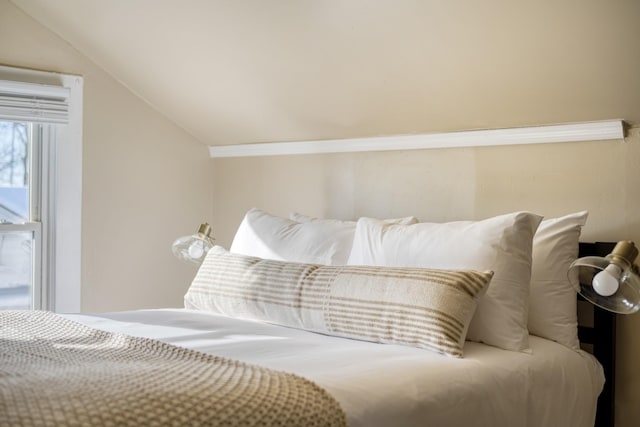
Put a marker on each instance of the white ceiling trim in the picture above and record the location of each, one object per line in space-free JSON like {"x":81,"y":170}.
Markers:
{"x":573,"y":132}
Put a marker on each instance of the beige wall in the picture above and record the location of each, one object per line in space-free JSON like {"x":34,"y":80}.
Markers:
{"x":449,"y":184}
{"x":145,"y":181}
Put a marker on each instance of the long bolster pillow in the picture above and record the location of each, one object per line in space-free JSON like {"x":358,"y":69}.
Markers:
{"x":424,"y":308}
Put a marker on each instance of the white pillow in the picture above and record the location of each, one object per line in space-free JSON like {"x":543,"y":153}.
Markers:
{"x":502,"y":244}
{"x":298,"y":217}
{"x":552,"y":299}
{"x":424,"y":308}
{"x":271,"y":237}
{"x":314,"y":241}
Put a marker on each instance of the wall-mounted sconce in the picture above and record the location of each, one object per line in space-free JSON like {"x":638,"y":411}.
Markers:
{"x":611,"y":282}
{"x":194,"y":248}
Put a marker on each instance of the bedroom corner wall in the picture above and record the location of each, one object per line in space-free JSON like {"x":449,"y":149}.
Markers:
{"x":145,"y":181}
{"x":453,"y":184}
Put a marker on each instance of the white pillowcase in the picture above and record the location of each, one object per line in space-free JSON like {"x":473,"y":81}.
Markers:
{"x":298,"y":217}
{"x":502,"y":244}
{"x":271,"y":237}
{"x":552,"y":299}
{"x":314,"y":241}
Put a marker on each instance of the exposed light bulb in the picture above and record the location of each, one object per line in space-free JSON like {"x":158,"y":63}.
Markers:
{"x":196,"y":249}
{"x":606,"y":282}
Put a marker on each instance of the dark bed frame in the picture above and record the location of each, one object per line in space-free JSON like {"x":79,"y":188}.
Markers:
{"x":599,"y":337}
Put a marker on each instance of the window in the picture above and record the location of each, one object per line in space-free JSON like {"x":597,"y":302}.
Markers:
{"x":20,"y":231}
{"x":40,"y":190}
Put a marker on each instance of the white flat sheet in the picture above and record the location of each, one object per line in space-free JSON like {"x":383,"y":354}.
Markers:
{"x":392,"y":385}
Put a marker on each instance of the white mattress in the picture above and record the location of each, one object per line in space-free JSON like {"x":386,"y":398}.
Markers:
{"x":392,"y":385}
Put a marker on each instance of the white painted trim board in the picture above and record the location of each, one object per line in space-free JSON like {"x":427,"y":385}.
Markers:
{"x":572,"y":132}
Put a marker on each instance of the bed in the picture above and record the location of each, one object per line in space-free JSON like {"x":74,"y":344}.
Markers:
{"x":380,"y":380}
{"x":383,"y":385}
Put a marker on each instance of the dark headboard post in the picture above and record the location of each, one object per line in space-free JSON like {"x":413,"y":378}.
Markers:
{"x":602,"y":336}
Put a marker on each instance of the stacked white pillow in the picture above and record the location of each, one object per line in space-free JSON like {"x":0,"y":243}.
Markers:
{"x":552,"y":301}
{"x":502,"y":244}
{"x":530,"y":291}
{"x":310,"y":240}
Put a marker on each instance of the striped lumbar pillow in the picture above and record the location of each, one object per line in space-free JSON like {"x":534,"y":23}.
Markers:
{"x":413,"y":306}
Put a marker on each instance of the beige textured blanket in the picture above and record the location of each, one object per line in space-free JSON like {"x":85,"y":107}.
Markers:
{"x":57,"y":372}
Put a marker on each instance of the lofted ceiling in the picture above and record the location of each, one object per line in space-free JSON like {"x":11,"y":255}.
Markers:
{"x":244,"y":71}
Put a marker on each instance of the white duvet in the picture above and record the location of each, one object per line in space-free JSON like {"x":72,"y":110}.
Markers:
{"x":393,"y":385}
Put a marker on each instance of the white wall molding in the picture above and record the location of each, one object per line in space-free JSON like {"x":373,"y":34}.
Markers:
{"x":573,"y":132}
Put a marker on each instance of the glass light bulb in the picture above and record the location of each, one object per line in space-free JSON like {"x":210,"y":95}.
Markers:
{"x":196,"y":249}
{"x":606,"y":282}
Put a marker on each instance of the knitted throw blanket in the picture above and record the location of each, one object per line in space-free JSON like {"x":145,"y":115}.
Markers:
{"x":54,"y":371}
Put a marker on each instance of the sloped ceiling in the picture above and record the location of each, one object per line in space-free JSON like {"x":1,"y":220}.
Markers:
{"x":243,"y":71}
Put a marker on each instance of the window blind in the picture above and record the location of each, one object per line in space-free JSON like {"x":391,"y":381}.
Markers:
{"x":31,"y":102}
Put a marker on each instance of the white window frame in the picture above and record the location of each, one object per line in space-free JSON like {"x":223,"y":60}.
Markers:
{"x":62,"y":254}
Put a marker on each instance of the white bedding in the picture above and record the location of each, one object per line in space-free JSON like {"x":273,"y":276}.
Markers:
{"x":393,"y":385}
